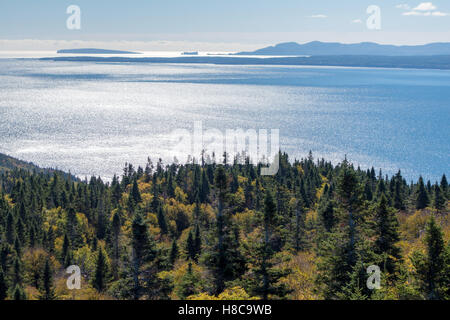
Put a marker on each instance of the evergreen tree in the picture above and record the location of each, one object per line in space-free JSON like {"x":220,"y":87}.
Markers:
{"x":143,"y":253}
{"x":162,"y":221}
{"x":173,"y":252}
{"x":439,"y":200}
{"x":219,"y":259}
{"x":135,"y":196}
{"x":116,"y":225}
{"x":189,"y":283}
{"x":19,"y":293}
{"x":267,"y":276}
{"x":10,"y":229}
{"x":47,"y":291}
{"x":300,"y":241}
{"x":3,"y":285}
{"x":190,"y":247}
{"x":101,"y":269}
{"x":327,"y":215}
{"x":387,"y":236}
{"x":66,"y":252}
{"x":17,"y":277}
{"x":338,"y":254}
{"x":422,"y":199}
{"x":197,"y":243}
{"x":170,"y":186}
{"x":444,"y":186}
{"x":204,"y":191}
{"x":398,"y":200}
{"x":430,"y":268}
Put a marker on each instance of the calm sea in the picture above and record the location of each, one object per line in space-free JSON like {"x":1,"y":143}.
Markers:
{"x":91,"y":118}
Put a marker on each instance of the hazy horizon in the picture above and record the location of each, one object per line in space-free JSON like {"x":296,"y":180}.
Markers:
{"x":217,"y":26}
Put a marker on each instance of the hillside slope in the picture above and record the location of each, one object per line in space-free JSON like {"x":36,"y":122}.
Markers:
{"x":8,"y":163}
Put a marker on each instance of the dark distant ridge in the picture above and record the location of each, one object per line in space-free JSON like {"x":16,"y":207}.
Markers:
{"x":95,"y":51}
{"x":8,"y":163}
{"x":317,"y":48}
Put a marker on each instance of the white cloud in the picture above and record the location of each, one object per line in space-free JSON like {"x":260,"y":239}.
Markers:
{"x":439,"y":14}
{"x":357,"y":21}
{"x":403,"y":6}
{"x":426,"y":9}
{"x":425,"y":14}
{"x":425,"y":6}
{"x":412,"y":13}
{"x":318,"y":16}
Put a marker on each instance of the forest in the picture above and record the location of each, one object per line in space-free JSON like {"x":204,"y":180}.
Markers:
{"x":222,"y":231}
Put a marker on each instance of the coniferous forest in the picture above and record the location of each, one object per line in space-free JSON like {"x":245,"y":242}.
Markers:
{"x":222,"y":231}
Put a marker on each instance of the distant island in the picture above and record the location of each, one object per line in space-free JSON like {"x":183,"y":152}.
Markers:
{"x":317,"y":48}
{"x":95,"y":51}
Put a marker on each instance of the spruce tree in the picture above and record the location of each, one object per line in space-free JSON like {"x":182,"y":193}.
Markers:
{"x":197,"y":243}
{"x":189,"y":284}
{"x":266,"y":283}
{"x":439,"y":200}
{"x":66,"y":252}
{"x":398,"y":196}
{"x":430,"y":268}
{"x":162,"y":221}
{"x":444,"y":186}
{"x":10,"y":229}
{"x":101,"y":270}
{"x":143,"y":253}
{"x":134,"y":197}
{"x":204,"y":191}
{"x":326,"y":214}
{"x":173,"y":252}
{"x":190,"y":247}
{"x":387,"y":236}
{"x":338,"y":253}
{"x":220,"y":259}
{"x":422,"y":199}
{"x":47,"y":291}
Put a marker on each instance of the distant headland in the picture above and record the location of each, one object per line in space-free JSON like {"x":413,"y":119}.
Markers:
{"x":95,"y":51}
{"x":317,"y":48}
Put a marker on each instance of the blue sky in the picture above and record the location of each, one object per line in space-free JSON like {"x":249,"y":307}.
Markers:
{"x":238,"y":24}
